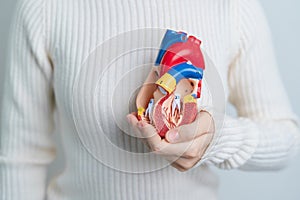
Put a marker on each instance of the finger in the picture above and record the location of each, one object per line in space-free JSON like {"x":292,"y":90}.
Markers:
{"x":178,"y":167}
{"x":147,"y":133}
{"x":132,"y":120}
{"x":191,"y":149}
{"x":150,"y":135}
{"x":185,"y":164}
{"x":174,"y":151}
{"x":146,"y":130}
{"x":202,"y":125}
{"x":151,"y":138}
{"x":174,"y":164}
{"x":198,"y":147}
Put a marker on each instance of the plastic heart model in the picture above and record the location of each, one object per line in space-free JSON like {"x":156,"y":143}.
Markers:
{"x":169,"y":96}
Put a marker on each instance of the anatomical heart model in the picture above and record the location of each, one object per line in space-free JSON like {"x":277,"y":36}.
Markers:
{"x":168,"y":98}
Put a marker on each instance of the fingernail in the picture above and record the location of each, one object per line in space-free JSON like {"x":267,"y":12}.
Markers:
{"x":173,"y":136}
{"x":140,"y":124}
{"x":128,"y":119}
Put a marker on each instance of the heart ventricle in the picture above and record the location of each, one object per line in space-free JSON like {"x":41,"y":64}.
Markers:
{"x":169,"y":96}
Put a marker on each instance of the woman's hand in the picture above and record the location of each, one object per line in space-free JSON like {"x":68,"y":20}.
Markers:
{"x":183,"y":146}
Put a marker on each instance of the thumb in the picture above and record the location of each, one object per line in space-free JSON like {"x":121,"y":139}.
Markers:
{"x":188,"y":132}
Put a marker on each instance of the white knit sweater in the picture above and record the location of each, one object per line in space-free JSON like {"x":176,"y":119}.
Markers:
{"x":46,"y":70}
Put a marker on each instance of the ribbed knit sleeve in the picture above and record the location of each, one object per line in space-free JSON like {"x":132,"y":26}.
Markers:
{"x":27,"y":107}
{"x":266,"y":133}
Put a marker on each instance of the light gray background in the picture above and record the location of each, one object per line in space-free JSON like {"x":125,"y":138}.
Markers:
{"x":284,"y":19}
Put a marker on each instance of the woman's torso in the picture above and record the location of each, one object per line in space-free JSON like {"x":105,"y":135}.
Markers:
{"x":101,"y":52}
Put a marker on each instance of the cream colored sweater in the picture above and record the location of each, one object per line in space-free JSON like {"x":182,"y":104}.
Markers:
{"x":52,"y":65}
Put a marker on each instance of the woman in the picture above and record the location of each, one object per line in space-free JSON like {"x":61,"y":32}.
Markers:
{"x":50,"y":43}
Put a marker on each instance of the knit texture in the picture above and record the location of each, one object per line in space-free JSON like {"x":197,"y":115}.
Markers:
{"x":50,"y":41}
